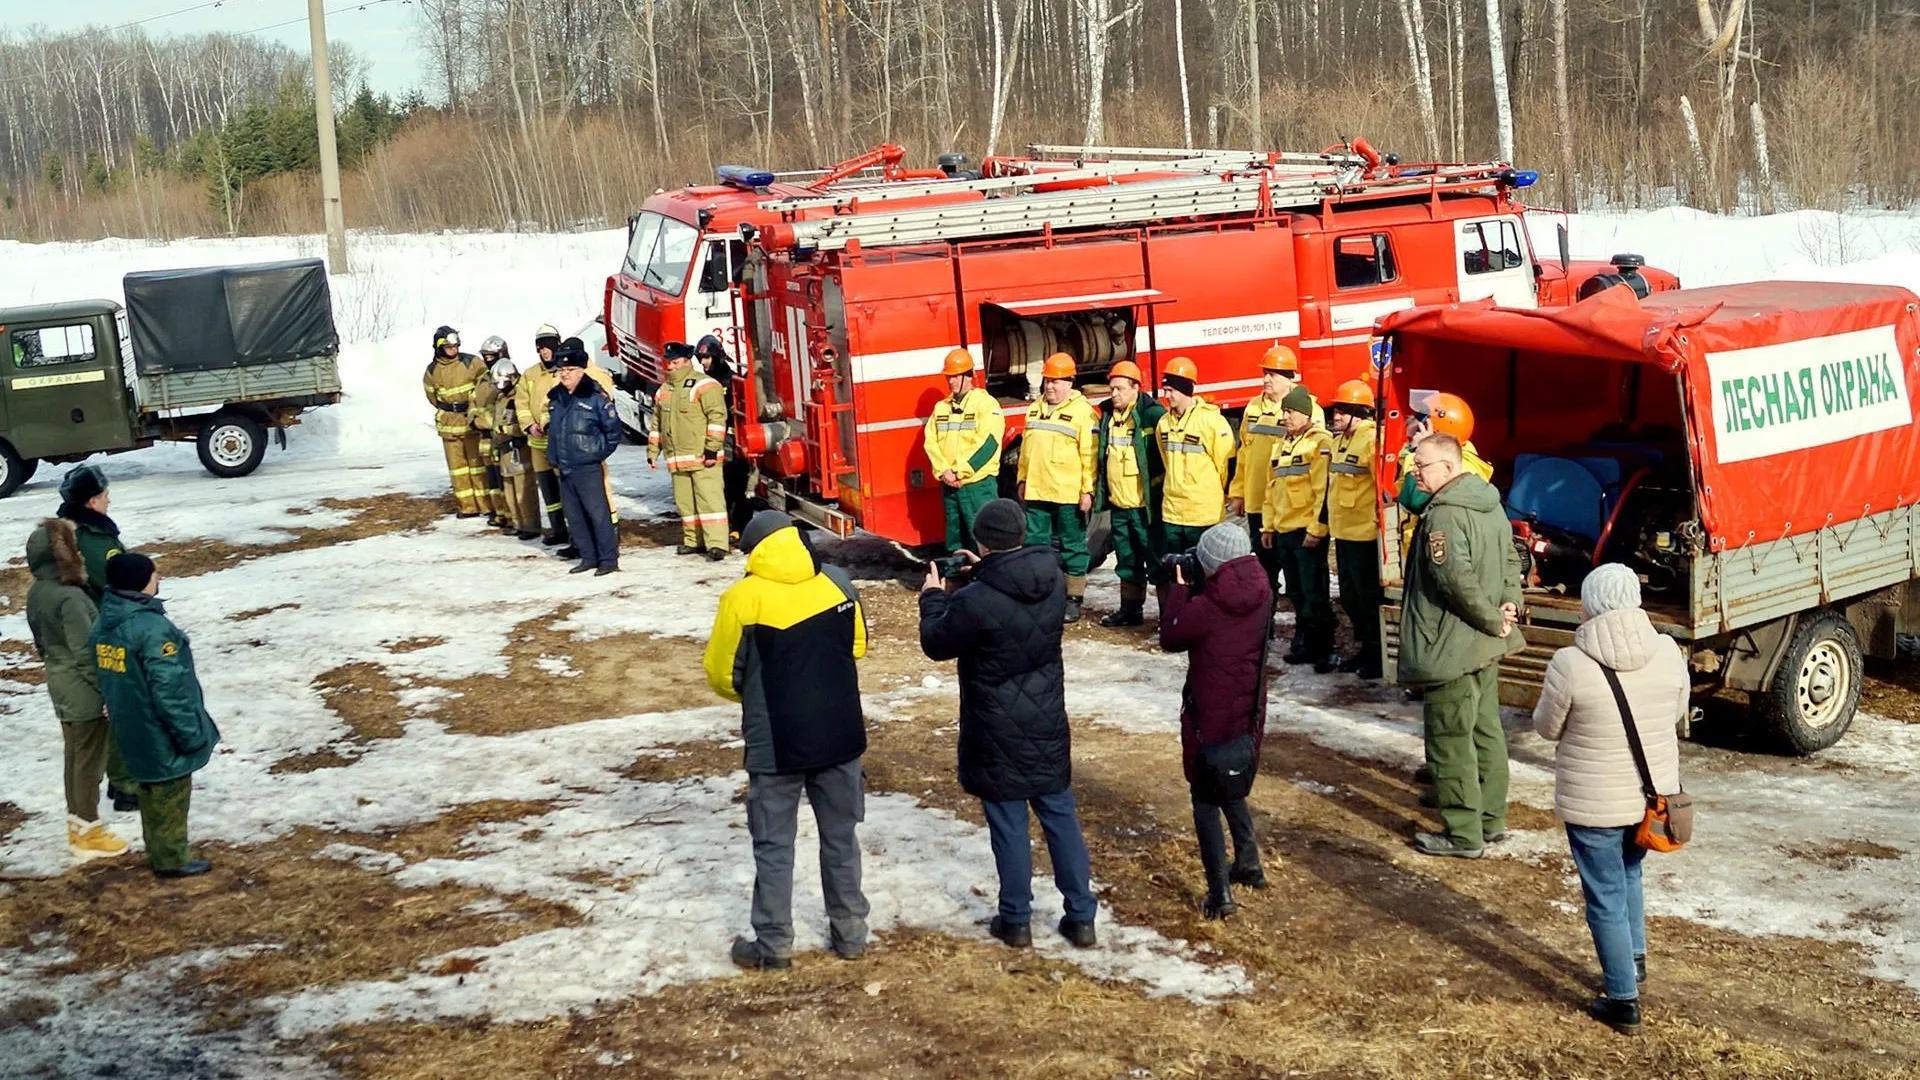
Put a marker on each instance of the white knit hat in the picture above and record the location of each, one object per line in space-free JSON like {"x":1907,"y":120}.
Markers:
{"x":1222,"y":544}
{"x":1610,"y":587}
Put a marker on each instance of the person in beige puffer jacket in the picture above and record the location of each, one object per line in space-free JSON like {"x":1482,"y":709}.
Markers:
{"x":1597,"y":789}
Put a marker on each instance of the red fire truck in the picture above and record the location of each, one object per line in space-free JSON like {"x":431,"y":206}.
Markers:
{"x":847,"y":314}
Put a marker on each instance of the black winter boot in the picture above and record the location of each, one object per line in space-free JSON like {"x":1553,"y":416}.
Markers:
{"x":1133,"y":604}
{"x":1246,"y":850}
{"x":125,"y":802}
{"x":1297,"y":648}
{"x":1078,"y":934}
{"x":1014,"y":935}
{"x":1621,"y":1016}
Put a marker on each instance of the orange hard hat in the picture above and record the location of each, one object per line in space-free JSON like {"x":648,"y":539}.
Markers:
{"x":1280,"y":358}
{"x":958,"y":362}
{"x":1125,"y":369}
{"x":1448,"y":414}
{"x":1058,"y":366}
{"x":1182,"y":367}
{"x":1354,"y":392}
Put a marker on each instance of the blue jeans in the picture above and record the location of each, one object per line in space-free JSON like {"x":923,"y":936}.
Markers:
{"x":1013,"y":855}
{"x":1609,"y":865}
{"x":583,"y":493}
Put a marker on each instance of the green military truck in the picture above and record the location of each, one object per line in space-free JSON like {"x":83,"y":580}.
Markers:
{"x":214,"y":355}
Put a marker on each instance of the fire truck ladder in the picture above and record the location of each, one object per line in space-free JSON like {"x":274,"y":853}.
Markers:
{"x":1120,"y":204}
{"x":848,"y":197}
{"x":1281,"y":160}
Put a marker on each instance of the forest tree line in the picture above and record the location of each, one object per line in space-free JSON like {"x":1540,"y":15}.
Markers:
{"x":558,"y":113}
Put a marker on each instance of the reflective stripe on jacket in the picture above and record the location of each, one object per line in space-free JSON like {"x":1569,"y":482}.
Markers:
{"x":1196,"y":449}
{"x":966,"y":437}
{"x":1297,"y":484}
{"x":689,"y":421}
{"x":783,"y":645}
{"x":1350,"y":485}
{"x":1058,"y":451}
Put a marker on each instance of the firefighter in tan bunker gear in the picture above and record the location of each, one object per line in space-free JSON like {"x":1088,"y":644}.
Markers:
{"x":516,"y":458}
{"x":449,"y":382}
{"x":689,"y":434}
{"x":486,"y":394}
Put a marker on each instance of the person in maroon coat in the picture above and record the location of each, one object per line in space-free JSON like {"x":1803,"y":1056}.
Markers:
{"x":1223,"y":623}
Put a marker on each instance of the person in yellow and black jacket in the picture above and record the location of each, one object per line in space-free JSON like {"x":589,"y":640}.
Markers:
{"x":1353,"y":521}
{"x":1057,"y":458}
{"x":1196,"y":445}
{"x":449,"y":382}
{"x":784,"y":645}
{"x":1295,"y":524}
{"x":1130,"y":482}
{"x":963,"y":440}
{"x":1260,"y":425}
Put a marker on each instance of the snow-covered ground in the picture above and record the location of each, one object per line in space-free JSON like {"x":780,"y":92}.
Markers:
{"x":678,"y":851}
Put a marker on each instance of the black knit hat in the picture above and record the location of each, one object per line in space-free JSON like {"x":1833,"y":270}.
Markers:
{"x":1000,"y":525}
{"x":130,"y":571}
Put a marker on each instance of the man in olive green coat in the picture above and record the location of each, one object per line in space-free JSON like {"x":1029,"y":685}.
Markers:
{"x":84,"y":501}
{"x":1462,"y":600}
{"x":158,"y":713}
{"x":1127,"y":481}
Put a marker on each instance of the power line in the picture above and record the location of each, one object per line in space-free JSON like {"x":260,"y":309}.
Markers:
{"x":364,"y":5}
{"x":171,"y":14}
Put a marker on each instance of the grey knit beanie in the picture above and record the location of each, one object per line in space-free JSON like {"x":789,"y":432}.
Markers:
{"x":1222,"y":544}
{"x":1610,"y":587}
{"x":1000,"y":525}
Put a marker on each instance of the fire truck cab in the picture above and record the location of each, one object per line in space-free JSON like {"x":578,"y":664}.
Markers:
{"x":846,"y":317}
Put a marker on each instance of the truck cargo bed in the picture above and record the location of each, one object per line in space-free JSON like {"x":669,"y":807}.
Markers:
{"x":309,"y":382}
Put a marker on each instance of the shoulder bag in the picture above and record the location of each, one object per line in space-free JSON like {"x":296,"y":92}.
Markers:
{"x":1668,"y":823}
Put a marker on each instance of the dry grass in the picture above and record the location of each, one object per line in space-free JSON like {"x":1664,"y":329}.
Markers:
{"x":374,"y":515}
{"x":11,"y":818}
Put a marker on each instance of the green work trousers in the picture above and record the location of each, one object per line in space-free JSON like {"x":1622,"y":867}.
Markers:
{"x":962,"y":504}
{"x":85,"y":744}
{"x":1305,"y":571}
{"x":1179,"y":538}
{"x":1136,"y":555}
{"x":117,"y":769}
{"x":1064,"y":527}
{"x":1358,"y":563}
{"x":163,"y":821}
{"x":1467,"y":752}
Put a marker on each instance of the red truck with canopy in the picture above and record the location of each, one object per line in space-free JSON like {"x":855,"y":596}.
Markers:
{"x":1749,"y":449}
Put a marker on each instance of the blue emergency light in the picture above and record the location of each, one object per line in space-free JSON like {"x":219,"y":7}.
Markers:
{"x":1520,"y":178}
{"x":744,"y":178}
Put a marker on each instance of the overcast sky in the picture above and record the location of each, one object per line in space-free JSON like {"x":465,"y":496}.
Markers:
{"x":382,"y":33}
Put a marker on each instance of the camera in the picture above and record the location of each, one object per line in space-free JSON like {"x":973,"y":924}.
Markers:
{"x":1188,"y":563}
{"x":954,"y":566}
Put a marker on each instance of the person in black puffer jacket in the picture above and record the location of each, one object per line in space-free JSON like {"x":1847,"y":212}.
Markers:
{"x":1004,"y":627}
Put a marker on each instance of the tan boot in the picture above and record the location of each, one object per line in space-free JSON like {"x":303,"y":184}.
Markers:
{"x":91,"y":840}
{"x":1133,"y":603}
{"x":1076,"y":592}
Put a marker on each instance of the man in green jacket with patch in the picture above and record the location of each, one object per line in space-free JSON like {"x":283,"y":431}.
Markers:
{"x":1127,"y":486}
{"x":158,"y":713}
{"x":1462,"y":601}
{"x":84,"y":501}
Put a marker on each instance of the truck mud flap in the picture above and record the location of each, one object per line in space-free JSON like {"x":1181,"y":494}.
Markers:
{"x":1520,"y":674}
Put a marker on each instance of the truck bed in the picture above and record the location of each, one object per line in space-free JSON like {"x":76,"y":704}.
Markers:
{"x":312,"y":381}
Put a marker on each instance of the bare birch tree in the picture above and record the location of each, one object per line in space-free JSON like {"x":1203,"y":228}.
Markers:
{"x":1497,"y":59}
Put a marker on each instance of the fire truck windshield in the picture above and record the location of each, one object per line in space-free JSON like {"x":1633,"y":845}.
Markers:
{"x":661,"y":254}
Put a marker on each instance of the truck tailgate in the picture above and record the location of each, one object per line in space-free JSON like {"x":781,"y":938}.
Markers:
{"x":302,"y":382}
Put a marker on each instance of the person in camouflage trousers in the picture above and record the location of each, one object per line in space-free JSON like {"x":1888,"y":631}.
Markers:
{"x":155,"y":706}
{"x":689,"y":434}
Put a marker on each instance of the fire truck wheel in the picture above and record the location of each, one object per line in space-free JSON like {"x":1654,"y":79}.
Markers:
{"x":13,"y":471}
{"x":1817,"y":688}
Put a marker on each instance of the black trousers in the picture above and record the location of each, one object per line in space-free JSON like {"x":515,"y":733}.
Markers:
{"x":1213,"y":841}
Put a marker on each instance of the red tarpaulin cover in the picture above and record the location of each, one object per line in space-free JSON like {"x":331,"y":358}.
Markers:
{"x":1799,"y":395}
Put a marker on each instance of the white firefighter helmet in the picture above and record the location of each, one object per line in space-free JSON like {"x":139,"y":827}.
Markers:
{"x":504,"y":371}
{"x":494,"y":346}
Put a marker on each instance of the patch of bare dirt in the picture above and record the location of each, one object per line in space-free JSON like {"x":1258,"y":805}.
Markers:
{"x":1892,"y":689}
{"x":254,"y":613}
{"x":1841,"y":854}
{"x":415,"y":644}
{"x":373,"y":515}
{"x":684,"y":762}
{"x":11,"y":818}
{"x":313,"y":920}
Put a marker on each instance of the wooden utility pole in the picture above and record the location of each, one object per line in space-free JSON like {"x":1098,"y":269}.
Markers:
{"x":329,"y":153}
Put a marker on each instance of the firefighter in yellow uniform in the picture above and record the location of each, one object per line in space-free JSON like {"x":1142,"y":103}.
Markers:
{"x":963,"y":440}
{"x":1428,"y":413}
{"x":1196,"y":446}
{"x":1057,"y":457}
{"x":533,"y":403}
{"x":486,"y":397}
{"x":516,"y":459}
{"x":1295,"y":524}
{"x":1260,"y":425}
{"x":689,"y":434}
{"x":1353,"y":521}
{"x":449,"y":383}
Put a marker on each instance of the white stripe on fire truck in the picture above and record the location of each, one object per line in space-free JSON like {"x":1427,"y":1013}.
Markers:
{"x":1361,"y":316}
{"x":1262,"y":326}
{"x":905,"y":364}
{"x":1330,"y":342}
